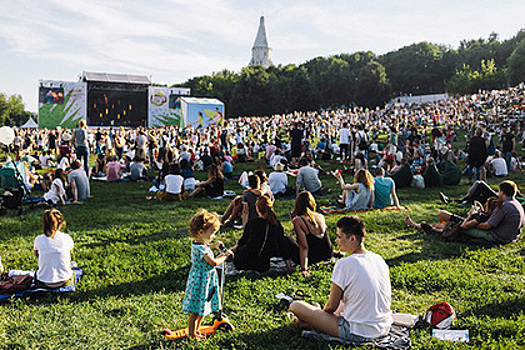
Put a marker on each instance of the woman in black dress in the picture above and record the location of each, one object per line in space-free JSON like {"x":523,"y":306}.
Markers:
{"x":312,"y":237}
{"x":263,"y":238}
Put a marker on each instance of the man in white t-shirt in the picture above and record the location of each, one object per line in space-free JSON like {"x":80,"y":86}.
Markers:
{"x":358,"y":307}
{"x":344,"y":141}
{"x":498,"y":166}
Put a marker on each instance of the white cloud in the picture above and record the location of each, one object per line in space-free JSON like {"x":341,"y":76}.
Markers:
{"x":173,"y":40}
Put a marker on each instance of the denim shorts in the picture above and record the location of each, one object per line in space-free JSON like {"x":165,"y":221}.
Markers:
{"x":344,"y":332}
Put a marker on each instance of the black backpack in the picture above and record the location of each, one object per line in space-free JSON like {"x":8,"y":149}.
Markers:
{"x":363,"y":142}
{"x":507,"y":142}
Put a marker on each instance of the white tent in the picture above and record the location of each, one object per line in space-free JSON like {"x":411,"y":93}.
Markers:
{"x":30,"y":124}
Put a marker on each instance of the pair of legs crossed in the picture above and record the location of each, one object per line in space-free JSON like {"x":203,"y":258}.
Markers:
{"x":313,"y":316}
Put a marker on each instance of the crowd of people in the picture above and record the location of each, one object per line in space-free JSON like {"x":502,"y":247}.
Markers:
{"x":363,"y":141}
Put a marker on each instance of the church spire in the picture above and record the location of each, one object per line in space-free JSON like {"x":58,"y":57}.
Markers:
{"x":261,"y":51}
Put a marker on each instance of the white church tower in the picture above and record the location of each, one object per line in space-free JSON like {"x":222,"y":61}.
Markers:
{"x":261,"y":51}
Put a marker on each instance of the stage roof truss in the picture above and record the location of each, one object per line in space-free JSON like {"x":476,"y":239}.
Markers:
{"x":116,"y":78}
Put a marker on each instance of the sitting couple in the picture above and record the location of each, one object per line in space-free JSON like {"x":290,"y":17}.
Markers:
{"x":368,"y":192}
{"x":74,"y":190}
{"x":502,"y":222}
{"x":264,"y":237}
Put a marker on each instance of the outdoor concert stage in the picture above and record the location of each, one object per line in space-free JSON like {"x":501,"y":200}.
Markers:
{"x":105,"y":99}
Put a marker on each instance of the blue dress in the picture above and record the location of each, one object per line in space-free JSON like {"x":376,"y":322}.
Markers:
{"x":202,"y":288}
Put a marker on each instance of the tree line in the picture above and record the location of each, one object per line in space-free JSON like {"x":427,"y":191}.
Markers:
{"x":366,"y":79}
{"x":12,"y":110}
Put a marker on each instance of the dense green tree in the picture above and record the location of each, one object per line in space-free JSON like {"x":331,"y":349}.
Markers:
{"x":372,"y":87}
{"x":12,"y":110}
{"x":252,"y":93}
{"x":467,"y":80}
{"x":516,"y":64}
{"x":472,"y":52}
{"x":415,"y":69}
{"x":507,"y":47}
{"x":364,"y":79}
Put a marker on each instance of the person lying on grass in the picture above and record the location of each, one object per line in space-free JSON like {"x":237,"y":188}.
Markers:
{"x":358,"y":307}
{"x":202,"y":289}
{"x":476,"y":215}
{"x":503,"y":226}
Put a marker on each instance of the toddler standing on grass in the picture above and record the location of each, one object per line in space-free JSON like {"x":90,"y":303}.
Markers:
{"x":202,"y":289}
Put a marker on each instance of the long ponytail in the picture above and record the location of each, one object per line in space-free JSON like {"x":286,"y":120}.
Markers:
{"x":265,"y":207}
{"x":52,"y":222}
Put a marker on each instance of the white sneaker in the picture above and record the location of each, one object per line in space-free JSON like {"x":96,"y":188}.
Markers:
{"x":283,"y":296}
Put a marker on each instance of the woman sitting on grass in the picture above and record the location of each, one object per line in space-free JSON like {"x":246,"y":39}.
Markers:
{"x":173,"y":186}
{"x":213,"y":186}
{"x":313,"y":243}
{"x":263,"y":238}
{"x":53,"y":249}
{"x":360,"y":194}
{"x":57,"y":192}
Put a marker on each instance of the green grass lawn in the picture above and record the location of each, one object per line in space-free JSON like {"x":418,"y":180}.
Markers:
{"x":135,"y":257}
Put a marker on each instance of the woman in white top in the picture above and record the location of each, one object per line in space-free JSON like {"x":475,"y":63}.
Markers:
{"x":53,"y":249}
{"x":64,"y":163}
{"x":57,"y":192}
{"x":174,"y":185}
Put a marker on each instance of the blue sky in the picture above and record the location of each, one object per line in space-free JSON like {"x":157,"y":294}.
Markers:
{"x":173,"y":40}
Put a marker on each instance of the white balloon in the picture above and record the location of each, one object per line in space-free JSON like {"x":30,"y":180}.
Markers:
{"x":7,"y":135}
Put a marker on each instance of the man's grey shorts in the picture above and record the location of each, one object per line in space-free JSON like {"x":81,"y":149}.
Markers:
{"x":344,"y":332}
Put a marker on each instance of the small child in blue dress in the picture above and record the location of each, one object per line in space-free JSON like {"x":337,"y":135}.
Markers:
{"x":202,"y":289}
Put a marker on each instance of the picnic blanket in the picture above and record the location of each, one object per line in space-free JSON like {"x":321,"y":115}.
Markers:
{"x":78,"y":274}
{"x":397,"y":339}
{"x":276,"y":265}
{"x":331,"y":210}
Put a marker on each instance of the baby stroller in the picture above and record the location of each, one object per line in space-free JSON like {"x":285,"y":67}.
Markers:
{"x":12,"y":181}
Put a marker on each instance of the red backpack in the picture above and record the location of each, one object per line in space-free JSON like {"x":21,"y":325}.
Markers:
{"x":441,"y":315}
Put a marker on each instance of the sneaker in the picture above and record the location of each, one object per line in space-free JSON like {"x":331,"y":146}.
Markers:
{"x":284,"y":297}
{"x":237,"y":227}
{"x":444,"y":198}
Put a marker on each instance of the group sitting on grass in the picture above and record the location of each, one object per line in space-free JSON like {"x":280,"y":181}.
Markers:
{"x":359,"y":298}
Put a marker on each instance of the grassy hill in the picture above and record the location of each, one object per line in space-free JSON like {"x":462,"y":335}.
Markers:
{"x":135,"y":256}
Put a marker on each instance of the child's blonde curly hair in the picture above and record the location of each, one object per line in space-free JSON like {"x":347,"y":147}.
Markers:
{"x":202,"y":221}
